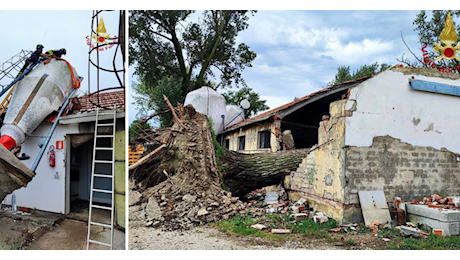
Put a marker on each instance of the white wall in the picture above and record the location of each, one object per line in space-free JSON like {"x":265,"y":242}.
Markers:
{"x":386,"y":105}
{"x":46,"y":191}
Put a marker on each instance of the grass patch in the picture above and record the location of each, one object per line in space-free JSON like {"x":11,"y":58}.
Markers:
{"x":307,"y":229}
{"x":241,"y":225}
{"x":433,"y":242}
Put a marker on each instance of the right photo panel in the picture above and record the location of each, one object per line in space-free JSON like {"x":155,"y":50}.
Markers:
{"x":281,"y":130}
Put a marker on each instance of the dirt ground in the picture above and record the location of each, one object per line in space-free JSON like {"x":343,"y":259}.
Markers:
{"x":208,"y":238}
{"x":46,"y":231}
{"x":72,"y":235}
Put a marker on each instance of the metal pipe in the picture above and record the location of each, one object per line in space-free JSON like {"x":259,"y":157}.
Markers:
{"x":242,"y":110}
{"x":48,"y":138}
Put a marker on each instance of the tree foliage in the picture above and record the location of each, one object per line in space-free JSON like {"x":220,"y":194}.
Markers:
{"x":150,"y":99}
{"x":136,"y":127}
{"x":343,"y":72}
{"x":256,"y":105}
{"x":162,"y":46}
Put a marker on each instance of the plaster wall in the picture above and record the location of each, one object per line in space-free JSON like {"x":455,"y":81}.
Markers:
{"x":47,"y":190}
{"x":251,"y":134}
{"x":386,"y":105}
{"x":319,"y":177}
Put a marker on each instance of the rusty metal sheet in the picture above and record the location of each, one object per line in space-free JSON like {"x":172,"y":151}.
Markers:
{"x":374,"y":206}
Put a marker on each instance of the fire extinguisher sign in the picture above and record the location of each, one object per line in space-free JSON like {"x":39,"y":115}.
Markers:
{"x":59,"y":145}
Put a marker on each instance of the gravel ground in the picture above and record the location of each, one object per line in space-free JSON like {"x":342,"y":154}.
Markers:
{"x":207,"y":238}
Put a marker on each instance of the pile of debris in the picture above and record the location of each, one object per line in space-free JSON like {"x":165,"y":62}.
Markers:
{"x":178,"y":210}
{"x":436,"y":201}
{"x":176,"y":184}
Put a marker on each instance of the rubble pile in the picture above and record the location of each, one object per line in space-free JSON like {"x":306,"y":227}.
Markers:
{"x":436,"y":201}
{"x":179,"y":211}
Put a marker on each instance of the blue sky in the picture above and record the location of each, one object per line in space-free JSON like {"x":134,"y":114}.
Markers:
{"x":298,"y":52}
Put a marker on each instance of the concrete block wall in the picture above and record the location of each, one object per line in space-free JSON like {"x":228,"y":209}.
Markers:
{"x":400,"y":170}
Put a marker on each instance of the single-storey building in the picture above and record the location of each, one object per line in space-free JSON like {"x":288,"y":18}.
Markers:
{"x":396,"y":131}
{"x":56,"y":189}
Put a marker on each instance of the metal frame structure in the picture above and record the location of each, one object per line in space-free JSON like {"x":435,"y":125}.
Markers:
{"x":93,"y":97}
{"x":12,"y":65}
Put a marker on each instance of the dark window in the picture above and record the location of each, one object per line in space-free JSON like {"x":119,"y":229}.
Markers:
{"x":264,"y":139}
{"x":241,"y":141}
{"x":227,"y":143}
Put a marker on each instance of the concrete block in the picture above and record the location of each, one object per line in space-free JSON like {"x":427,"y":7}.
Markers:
{"x":448,"y":220}
{"x":445,"y":215}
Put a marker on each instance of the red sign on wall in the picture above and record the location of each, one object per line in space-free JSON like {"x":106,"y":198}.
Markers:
{"x":59,"y":145}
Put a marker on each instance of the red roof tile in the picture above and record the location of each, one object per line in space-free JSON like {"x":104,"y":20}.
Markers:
{"x":288,"y":105}
{"x":106,"y":99}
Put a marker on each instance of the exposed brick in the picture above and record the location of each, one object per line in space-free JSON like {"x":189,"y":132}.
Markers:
{"x":413,"y":171}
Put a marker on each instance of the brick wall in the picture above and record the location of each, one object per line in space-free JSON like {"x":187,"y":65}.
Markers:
{"x":401,"y":170}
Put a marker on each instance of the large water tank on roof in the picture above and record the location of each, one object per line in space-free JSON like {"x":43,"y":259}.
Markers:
{"x":208,"y":102}
{"x":37,"y":95}
{"x":232,"y":111}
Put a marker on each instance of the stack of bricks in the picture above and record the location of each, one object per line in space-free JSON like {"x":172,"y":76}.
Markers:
{"x":436,"y":201}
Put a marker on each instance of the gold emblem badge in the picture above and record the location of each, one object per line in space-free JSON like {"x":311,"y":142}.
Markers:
{"x":448,"y":37}
{"x":101,"y":37}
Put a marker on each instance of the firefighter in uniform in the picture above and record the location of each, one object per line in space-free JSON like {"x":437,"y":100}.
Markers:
{"x":33,"y":58}
{"x":54,"y":54}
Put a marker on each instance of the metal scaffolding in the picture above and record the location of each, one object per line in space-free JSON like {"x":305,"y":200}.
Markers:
{"x":12,"y":66}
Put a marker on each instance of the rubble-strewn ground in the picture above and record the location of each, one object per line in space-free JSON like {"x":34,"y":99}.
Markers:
{"x":210,"y":238}
{"x":206,"y":238}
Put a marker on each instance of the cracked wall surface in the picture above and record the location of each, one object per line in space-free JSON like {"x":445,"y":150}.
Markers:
{"x":386,"y":137}
{"x":251,"y":134}
{"x":400,"y":170}
{"x":319,"y":177}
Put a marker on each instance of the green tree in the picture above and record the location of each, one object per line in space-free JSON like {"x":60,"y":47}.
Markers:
{"x":151,"y":100}
{"x":161,"y":46}
{"x":343,"y":72}
{"x":429,"y":31}
{"x":256,"y":105}
{"x":136,"y":127}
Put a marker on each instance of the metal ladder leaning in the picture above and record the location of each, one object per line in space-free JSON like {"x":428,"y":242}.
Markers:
{"x":95,"y":175}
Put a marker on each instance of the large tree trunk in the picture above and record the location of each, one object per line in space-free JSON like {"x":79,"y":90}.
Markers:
{"x":247,"y":172}
{"x":178,"y":181}
{"x":182,"y":150}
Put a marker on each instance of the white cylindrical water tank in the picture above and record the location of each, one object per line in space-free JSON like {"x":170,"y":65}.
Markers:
{"x":36,"y":96}
{"x":232,"y":111}
{"x":208,"y":102}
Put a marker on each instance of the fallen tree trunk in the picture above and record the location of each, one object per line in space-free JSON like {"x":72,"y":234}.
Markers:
{"x":178,"y":182}
{"x":247,"y":172}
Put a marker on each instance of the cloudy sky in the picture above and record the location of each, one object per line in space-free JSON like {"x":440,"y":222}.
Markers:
{"x":23,"y":30}
{"x":298,"y":52}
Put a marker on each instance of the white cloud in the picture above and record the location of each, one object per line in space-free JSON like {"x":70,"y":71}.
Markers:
{"x":290,"y":28}
{"x":361,"y":52}
{"x":275,"y":101}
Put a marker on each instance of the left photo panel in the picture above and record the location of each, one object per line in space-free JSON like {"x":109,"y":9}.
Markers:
{"x":62,"y":143}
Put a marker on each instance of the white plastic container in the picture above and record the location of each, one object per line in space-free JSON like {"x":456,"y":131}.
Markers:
{"x":208,"y":102}
{"x":233,"y":110}
{"x":36,"y":96}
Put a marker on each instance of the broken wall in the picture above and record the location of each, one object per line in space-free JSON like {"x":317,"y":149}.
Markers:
{"x":319,"y":178}
{"x":401,"y":140}
{"x":386,"y":137}
{"x":401,"y":170}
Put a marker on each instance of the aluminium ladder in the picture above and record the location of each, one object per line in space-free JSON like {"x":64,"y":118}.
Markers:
{"x":94,"y":174}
